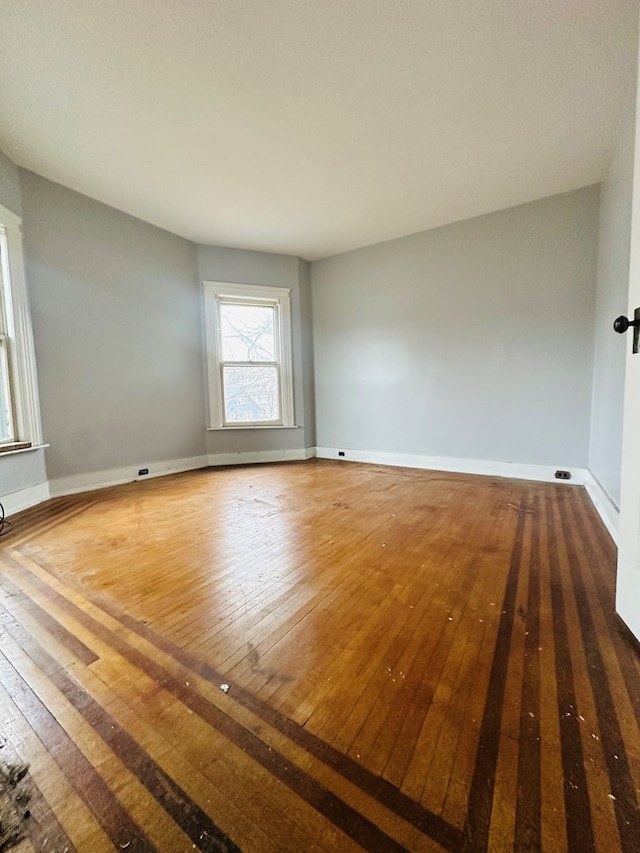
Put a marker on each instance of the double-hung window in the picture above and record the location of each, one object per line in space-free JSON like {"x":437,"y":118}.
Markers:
{"x":19,"y":410}
{"x":249,"y":355}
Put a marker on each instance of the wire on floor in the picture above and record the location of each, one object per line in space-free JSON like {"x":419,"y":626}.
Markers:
{"x":5,"y":526}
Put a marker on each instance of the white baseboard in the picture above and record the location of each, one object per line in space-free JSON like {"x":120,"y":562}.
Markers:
{"x":93,"y":480}
{"x":252,"y":457}
{"x":25,"y":498}
{"x":117,"y":476}
{"x":519,"y":471}
{"x":607,"y":510}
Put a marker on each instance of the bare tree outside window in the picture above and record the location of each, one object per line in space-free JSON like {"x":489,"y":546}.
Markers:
{"x":6,"y":414}
{"x":250,"y":379}
{"x":6,"y":425}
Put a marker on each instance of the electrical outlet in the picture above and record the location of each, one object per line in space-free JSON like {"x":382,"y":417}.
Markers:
{"x":341,"y":453}
{"x":563,"y":475}
{"x":143,"y":471}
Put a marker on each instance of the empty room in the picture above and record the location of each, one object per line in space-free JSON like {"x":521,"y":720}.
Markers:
{"x":319,"y":418}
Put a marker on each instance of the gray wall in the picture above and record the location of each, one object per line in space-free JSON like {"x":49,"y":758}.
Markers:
{"x":306,"y":334}
{"x":20,"y":471}
{"x":474,"y":340}
{"x":270,"y":270}
{"x":116,"y":319}
{"x":605,"y":452}
{"x":10,"y":195}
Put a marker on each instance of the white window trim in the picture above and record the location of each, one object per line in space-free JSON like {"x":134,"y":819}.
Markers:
{"x":280,"y":296}
{"x":23,"y":358}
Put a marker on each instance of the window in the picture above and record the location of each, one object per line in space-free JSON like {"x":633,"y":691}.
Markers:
{"x":19,"y":410}
{"x":7,"y":420}
{"x":249,"y":354}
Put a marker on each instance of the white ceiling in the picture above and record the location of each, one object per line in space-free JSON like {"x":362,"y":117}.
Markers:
{"x":312,"y":127}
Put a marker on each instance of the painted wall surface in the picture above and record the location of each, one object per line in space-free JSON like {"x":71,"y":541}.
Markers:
{"x":242,"y":267}
{"x":23,"y":470}
{"x":10,"y":195}
{"x":472,"y":341}
{"x":306,"y":343}
{"x":605,"y":452}
{"x":116,"y":317}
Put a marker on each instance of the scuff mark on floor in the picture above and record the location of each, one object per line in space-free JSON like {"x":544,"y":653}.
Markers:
{"x":14,"y":800}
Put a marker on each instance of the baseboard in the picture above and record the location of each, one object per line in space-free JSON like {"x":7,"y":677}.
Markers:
{"x":25,"y":498}
{"x":252,"y":457}
{"x":93,"y":480}
{"x":117,"y":476}
{"x":515,"y":470}
{"x":607,"y":510}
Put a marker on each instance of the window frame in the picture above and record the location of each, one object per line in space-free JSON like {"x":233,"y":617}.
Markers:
{"x":18,"y":337}
{"x":217,"y":293}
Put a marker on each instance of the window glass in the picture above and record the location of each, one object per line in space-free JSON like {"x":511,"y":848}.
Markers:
{"x":7,"y":432}
{"x":250,"y":393}
{"x":247,"y":332}
{"x":6,"y":419}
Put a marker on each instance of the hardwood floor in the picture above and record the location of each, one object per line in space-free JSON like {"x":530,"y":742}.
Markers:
{"x":319,"y":656}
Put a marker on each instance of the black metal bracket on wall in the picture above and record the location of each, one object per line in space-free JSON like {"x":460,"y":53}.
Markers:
{"x":622,"y":323}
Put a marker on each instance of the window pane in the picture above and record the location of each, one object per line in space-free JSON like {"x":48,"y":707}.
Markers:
{"x":6,"y":427}
{"x":251,"y":394}
{"x":247,"y":332}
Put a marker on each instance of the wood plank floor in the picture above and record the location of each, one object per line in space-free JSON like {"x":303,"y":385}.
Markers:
{"x":319,"y":656}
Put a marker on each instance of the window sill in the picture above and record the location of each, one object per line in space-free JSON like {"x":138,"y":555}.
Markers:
{"x":22,"y":450}
{"x":249,"y":426}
